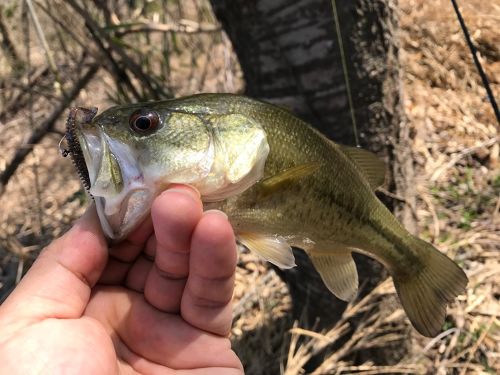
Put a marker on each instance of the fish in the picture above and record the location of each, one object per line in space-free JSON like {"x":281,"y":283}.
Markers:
{"x":281,"y":183}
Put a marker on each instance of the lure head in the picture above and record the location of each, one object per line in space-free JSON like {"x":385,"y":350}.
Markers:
{"x":128,"y":154}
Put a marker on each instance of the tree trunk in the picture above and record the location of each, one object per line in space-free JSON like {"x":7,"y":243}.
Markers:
{"x":290,"y":56}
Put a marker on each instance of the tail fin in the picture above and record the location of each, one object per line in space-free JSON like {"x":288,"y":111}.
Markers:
{"x":425,"y":295}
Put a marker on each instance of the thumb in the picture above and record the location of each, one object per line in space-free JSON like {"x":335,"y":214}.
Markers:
{"x":59,"y":283}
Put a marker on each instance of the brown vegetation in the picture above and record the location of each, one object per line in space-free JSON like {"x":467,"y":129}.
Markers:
{"x":182,"y":50}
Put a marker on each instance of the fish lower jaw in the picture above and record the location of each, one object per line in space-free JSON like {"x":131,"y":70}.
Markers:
{"x":120,"y":215}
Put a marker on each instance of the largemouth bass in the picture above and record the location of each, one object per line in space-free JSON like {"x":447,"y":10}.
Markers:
{"x":280,"y":182}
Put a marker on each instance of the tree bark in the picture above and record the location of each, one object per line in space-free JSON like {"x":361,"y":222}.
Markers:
{"x":289,"y":54}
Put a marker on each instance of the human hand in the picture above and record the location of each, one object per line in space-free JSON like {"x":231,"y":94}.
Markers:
{"x":159,"y":303}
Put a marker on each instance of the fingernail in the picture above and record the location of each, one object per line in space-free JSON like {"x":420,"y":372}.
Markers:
{"x":216,"y":212}
{"x":184,"y":189}
{"x":89,"y":221}
{"x":90,"y":214}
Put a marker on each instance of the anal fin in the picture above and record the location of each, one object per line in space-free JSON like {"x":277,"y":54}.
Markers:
{"x":272,"y":248}
{"x":338,"y":272}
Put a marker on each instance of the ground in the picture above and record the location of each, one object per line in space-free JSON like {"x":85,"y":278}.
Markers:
{"x":456,"y":153}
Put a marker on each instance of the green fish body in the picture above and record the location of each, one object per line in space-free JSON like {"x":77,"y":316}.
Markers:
{"x":280,"y":182}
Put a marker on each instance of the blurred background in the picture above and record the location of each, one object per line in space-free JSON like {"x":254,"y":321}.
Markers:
{"x":418,"y":103}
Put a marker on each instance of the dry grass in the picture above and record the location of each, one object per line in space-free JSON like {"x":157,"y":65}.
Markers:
{"x":456,"y":150}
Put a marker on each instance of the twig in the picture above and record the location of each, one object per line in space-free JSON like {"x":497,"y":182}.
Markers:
{"x":56,"y":18}
{"x":156,"y":90}
{"x":392,"y":195}
{"x":36,"y":164}
{"x":461,"y":155}
{"x":40,"y":132}
{"x":432,"y":210}
{"x":435,"y":340}
{"x":495,"y":215}
{"x":151,"y":27}
{"x":375,"y":369}
{"x":251,"y":295}
{"x":476,"y":345}
{"x":120,"y":74}
{"x":103,"y":6}
{"x":306,"y":332}
{"x":7,"y":43}
{"x":21,"y":100}
{"x":45,"y":45}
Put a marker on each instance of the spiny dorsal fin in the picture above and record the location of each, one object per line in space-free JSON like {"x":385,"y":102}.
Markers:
{"x":272,"y":248}
{"x":370,"y":165}
{"x":338,"y":272}
{"x":276,"y":182}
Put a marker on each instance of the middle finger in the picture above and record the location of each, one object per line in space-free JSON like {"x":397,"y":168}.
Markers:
{"x":175,"y":214}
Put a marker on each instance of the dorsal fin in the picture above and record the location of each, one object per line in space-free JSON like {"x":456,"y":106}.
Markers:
{"x":278,"y":181}
{"x":370,"y":165}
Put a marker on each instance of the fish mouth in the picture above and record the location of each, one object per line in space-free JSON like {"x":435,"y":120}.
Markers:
{"x":131,"y":211}
{"x":109,"y":172}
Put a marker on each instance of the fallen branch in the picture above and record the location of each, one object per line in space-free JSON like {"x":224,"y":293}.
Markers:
{"x":46,"y":127}
{"x":151,"y":27}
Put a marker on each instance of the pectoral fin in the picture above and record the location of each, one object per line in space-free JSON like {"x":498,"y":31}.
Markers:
{"x":272,"y":248}
{"x":277,"y":182}
{"x":370,"y":165}
{"x":338,"y":272}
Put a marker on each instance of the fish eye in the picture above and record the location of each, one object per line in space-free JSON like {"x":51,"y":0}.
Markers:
{"x":143,"y":121}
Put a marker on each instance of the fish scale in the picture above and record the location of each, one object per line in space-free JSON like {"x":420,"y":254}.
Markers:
{"x":280,"y":182}
{"x":348,"y":200}
{"x":294,"y":147}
